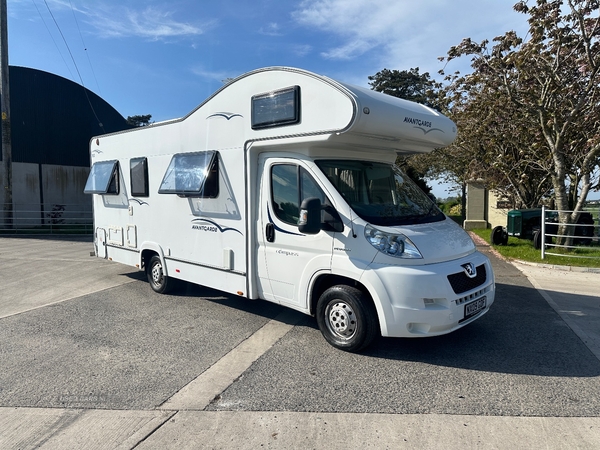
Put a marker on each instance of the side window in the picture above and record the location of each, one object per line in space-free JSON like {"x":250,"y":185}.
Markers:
{"x":211,"y":184}
{"x":103,"y":178}
{"x":290,"y":185}
{"x":192,"y":175}
{"x":138,"y":169}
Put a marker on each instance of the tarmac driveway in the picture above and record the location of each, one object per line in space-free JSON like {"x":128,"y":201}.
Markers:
{"x":125,"y":347}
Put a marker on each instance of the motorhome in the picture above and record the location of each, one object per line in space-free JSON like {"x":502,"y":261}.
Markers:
{"x":282,"y":186}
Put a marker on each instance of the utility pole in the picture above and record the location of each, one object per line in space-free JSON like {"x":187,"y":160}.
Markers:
{"x":6,"y":138}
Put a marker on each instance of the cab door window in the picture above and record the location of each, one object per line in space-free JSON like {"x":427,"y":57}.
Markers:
{"x":290,"y":184}
{"x":284,"y":192}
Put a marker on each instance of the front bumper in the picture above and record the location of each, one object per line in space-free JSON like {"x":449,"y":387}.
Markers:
{"x":430,"y":300}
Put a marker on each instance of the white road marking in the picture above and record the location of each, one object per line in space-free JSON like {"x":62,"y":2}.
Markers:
{"x":198,"y":394}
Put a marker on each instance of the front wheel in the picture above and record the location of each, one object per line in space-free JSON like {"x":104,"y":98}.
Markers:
{"x":347,"y":318}
{"x":156,"y":276}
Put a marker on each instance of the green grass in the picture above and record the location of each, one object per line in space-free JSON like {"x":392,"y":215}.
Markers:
{"x":522,"y":249}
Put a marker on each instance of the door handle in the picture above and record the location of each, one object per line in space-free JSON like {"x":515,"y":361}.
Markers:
{"x":270,"y":232}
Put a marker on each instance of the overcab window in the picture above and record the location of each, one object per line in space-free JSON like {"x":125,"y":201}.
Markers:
{"x":192,"y":175}
{"x":103,"y":178}
{"x":275,"y":109}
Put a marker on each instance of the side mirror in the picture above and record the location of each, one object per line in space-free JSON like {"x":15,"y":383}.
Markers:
{"x":310,"y":216}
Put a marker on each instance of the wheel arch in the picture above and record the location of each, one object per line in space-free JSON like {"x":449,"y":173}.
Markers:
{"x":327,"y":280}
{"x":149,"y":249}
{"x":368,"y":283}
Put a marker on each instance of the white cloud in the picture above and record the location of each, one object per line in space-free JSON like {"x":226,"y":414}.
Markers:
{"x":403,"y":33}
{"x":301,"y":50}
{"x":272,"y":29}
{"x":150,"y":22}
{"x":360,"y":25}
{"x":220,"y":76}
{"x":350,"y":50}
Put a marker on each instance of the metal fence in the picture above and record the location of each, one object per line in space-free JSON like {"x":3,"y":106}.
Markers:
{"x":50,"y":218}
{"x":583,"y":240}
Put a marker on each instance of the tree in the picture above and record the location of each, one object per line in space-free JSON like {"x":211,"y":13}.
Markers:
{"x":416,"y":87}
{"x":493,"y":144}
{"x":405,"y":163}
{"x":407,"y":84}
{"x":551,"y":82}
{"x":139,"y":121}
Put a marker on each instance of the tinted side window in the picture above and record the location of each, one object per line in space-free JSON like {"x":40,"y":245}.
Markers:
{"x":275,"y":109}
{"x":138,"y":168}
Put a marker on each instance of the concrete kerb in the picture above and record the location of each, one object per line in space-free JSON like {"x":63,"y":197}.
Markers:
{"x":559,"y":267}
{"x":101,"y":429}
{"x":482,"y":242}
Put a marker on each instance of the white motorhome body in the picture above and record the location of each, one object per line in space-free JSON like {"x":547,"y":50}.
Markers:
{"x":216,"y":198}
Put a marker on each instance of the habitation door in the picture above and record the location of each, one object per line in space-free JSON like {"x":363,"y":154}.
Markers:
{"x":287,"y":258}
{"x":101,"y":243}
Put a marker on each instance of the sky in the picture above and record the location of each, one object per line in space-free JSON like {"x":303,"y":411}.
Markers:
{"x":164,"y":58}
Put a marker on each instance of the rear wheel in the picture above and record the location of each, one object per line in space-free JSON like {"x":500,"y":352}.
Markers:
{"x":156,"y":276}
{"x":537,"y":239}
{"x":347,"y":318}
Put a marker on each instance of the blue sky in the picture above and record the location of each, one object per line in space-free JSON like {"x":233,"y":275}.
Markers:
{"x":164,"y":58}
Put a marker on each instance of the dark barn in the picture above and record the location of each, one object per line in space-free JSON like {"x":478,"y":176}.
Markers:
{"x":52,"y":122}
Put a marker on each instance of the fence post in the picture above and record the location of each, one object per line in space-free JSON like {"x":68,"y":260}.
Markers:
{"x":543,"y":232}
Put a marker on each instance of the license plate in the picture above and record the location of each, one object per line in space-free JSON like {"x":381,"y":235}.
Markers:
{"x":474,"y":308}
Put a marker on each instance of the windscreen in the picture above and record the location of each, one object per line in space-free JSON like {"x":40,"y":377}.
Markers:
{"x":380,"y":193}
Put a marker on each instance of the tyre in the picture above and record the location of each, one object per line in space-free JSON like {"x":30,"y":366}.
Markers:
{"x":156,"y":276}
{"x":584,"y":219}
{"x":347,"y":318}
{"x":537,"y":239}
{"x":499,"y":236}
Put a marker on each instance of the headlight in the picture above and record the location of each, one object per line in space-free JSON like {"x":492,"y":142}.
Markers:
{"x":392,"y":244}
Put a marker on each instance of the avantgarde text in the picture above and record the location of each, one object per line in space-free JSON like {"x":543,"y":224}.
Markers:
{"x":419,"y":122}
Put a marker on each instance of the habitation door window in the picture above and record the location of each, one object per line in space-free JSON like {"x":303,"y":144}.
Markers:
{"x":139,"y":177}
{"x":103,"y":178}
{"x":192,"y":175}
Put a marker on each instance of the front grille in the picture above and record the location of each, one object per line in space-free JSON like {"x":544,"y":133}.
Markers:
{"x":460,"y":282}
{"x":473,"y":295}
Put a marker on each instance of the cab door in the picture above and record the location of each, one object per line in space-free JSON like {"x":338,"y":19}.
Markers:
{"x":288,"y":259}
